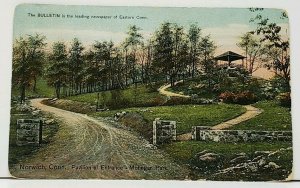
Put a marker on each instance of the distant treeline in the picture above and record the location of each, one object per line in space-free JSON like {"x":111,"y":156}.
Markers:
{"x":171,"y":54}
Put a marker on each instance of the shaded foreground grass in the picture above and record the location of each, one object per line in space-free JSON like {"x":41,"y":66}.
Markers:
{"x":42,"y":90}
{"x":274,"y":117}
{"x":186,"y":116}
{"x":17,"y":153}
{"x":183,"y":152}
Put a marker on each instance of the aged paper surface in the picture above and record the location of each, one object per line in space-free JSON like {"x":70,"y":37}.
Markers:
{"x":150,"y":93}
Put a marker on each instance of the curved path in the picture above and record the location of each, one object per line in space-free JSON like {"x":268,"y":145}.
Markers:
{"x":249,"y":114}
{"x":162,"y":90}
{"x":85,"y":147}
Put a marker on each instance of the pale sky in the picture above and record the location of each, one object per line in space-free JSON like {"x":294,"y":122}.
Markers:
{"x":225,"y":25}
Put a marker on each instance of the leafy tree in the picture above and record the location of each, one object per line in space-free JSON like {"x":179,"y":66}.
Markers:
{"x":91,"y":71}
{"x":146,"y":59}
{"x":194,"y":36}
{"x":207,"y":49}
{"x":28,"y":56}
{"x":131,"y":44}
{"x":181,"y":55}
{"x":278,"y":46}
{"x":255,"y":51}
{"x":163,"y":50}
{"x":58,"y":67}
{"x":76,"y":65}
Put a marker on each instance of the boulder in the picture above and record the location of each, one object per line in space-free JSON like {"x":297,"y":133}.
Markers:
{"x":240,"y":154}
{"x":262,"y":162}
{"x":144,"y":110}
{"x":207,"y":161}
{"x":49,"y":121}
{"x":208,"y":157}
{"x":239,"y":159}
{"x":119,"y":115}
{"x":262,"y":153}
{"x":23,"y":108}
{"x":36,"y":112}
{"x":272,"y":165}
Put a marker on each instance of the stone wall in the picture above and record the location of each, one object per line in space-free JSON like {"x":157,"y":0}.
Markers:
{"x":163,"y":131}
{"x":206,"y":134}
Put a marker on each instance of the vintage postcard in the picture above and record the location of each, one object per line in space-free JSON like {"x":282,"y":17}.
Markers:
{"x":150,"y":93}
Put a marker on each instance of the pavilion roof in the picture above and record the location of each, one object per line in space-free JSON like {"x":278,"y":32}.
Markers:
{"x":229,"y":56}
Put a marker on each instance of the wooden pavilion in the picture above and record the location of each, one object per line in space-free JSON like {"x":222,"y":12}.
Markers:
{"x":230,"y":57}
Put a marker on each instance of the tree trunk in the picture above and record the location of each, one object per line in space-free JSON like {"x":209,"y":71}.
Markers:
{"x":34,"y":84}
{"x":22,"y":94}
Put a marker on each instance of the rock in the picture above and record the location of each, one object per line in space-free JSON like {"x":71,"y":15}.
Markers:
{"x":239,"y":159}
{"x":23,"y":108}
{"x":207,"y":162}
{"x":262,"y":152}
{"x":150,"y":146}
{"x":33,"y":108}
{"x":36,"y":112}
{"x":240,"y":154}
{"x":262,"y":162}
{"x":119,"y":115}
{"x":252,"y":167}
{"x":281,"y":150}
{"x":144,"y":110}
{"x":272,"y":165}
{"x":93,"y":107}
{"x":257,"y":158}
{"x":194,"y":96}
{"x":49,"y":121}
{"x":101,"y":109}
{"x":208,"y":157}
{"x":202,"y":152}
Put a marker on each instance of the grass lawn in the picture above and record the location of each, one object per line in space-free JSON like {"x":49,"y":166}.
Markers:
{"x":190,"y":87}
{"x":130,"y":97}
{"x":186,"y":115}
{"x":274,"y":117}
{"x":42,"y":90}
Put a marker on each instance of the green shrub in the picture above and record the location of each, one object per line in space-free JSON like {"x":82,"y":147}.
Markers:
{"x":284,"y":99}
{"x":157,"y":101}
{"x":279,"y":84}
{"x":245,"y":97}
{"x":227,"y":97}
{"x":178,"y":101}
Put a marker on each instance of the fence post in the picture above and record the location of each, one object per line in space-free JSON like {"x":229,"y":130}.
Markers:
{"x":41,"y":132}
{"x":154,"y":133}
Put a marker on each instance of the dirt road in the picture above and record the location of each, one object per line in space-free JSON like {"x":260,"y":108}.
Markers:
{"x":88,"y":148}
